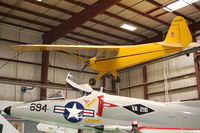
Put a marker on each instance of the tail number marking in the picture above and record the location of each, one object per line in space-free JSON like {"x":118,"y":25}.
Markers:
{"x":139,"y":109}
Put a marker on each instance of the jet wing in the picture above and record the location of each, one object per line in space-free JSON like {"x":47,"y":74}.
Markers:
{"x":31,"y":47}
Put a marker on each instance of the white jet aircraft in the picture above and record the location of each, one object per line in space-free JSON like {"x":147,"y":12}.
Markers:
{"x":99,"y":111}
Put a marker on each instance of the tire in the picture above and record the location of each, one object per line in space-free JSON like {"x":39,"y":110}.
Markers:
{"x":92,"y":82}
{"x":118,"y":79}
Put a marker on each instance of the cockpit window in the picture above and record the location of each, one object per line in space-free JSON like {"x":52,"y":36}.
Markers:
{"x":56,"y":96}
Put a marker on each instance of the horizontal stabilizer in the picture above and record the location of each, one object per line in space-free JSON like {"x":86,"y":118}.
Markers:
{"x":84,"y":87}
{"x":6,"y":127}
{"x":195,"y":104}
{"x":194,"y":44}
{"x":177,"y":45}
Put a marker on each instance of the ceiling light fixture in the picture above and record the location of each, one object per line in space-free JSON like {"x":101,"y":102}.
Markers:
{"x":128,"y":27}
{"x":39,"y":0}
{"x":178,"y":4}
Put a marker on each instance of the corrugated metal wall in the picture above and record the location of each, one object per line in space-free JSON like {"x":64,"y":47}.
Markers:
{"x":170,"y":80}
{"x":32,"y":72}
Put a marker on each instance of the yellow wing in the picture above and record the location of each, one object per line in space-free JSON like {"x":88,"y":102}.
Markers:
{"x":31,"y":47}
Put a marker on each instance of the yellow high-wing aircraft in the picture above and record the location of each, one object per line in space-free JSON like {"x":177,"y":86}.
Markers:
{"x":112,"y":58}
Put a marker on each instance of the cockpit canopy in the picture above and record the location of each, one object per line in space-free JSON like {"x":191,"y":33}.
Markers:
{"x":56,"y":96}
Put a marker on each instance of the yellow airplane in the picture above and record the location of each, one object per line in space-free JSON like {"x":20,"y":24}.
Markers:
{"x":109,"y":59}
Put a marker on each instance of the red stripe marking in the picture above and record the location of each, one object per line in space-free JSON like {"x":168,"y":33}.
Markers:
{"x":60,"y":109}
{"x":163,"y":128}
{"x":88,"y":112}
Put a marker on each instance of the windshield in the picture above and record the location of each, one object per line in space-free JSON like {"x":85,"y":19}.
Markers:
{"x":106,"y":54}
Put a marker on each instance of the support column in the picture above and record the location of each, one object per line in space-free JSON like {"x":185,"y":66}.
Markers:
{"x":197,"y":72}
{"x":104,"y":82}
{"x":44,"y":68}
{"x":196,"y":64}
{"x":44,"y":73}
{"x":113,"y":82}
{"x":144,"y":70}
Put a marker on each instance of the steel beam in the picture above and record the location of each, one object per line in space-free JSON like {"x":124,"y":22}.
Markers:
{"x":143,"y":14}
{"x":118,"y":28}
{"x":76,"y":39}
{"x":21,"y":26}
{"x":38,"y":64}
{"x":197,"y":72}
{"x":25,"y":20}
{"x":35,"y":83}
{"x":44,"y":73}
{"x":50,"y":6}
{"x":106,"y":33}
{"x":73,"y":13}
{"x":105,"y":24}
{"x":67,"y":37}
{"x":174,"y":12}
{"x":196,"y":6}
{"x":144,"y":70}
{"x":34,"y":63}
{"x":158,"y":81}
{"x":173,"y":90}
{"x":47,"y":17}
{"x":194,"y":26}
{"x":116,"y":16}
{"x":78,"y":19}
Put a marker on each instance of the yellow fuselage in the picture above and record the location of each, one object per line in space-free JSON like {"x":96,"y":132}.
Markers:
{"x":131,"y":56}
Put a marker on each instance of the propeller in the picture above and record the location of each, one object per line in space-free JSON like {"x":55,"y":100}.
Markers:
{"x":87,"y":61}
{"x":84,"y":67}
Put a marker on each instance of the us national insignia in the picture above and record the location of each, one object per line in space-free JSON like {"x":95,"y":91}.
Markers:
{"x":139,"y":109}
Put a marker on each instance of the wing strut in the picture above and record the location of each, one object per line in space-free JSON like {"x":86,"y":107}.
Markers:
{"x":72,"y":56}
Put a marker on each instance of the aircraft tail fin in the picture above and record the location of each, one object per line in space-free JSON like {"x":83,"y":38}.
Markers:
{"x":178,"y":34}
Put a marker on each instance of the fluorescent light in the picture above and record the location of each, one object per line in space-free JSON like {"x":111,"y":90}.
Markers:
{"x":175,"y":5}
{"x":39,"y":0}
{"x":128,"y":27}
{"x":178,"y":4}
{"x":190,"y":1}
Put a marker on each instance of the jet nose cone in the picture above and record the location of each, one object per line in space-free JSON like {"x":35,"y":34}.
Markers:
{"x":7,"y":110}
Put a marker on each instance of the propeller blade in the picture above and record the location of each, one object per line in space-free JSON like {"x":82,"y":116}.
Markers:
{"x":84,"y":67}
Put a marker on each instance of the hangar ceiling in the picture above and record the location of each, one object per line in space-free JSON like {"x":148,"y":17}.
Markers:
{"x":96,"y":21}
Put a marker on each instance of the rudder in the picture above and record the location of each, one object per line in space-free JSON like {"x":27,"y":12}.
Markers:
{"x":178,"y":34}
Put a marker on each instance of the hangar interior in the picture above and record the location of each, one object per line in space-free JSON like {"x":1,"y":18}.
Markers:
{"x":93,"y":22}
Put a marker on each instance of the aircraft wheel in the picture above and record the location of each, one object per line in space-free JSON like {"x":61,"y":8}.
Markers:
{"x":92,"y":82}
{"x":118,"y":79}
